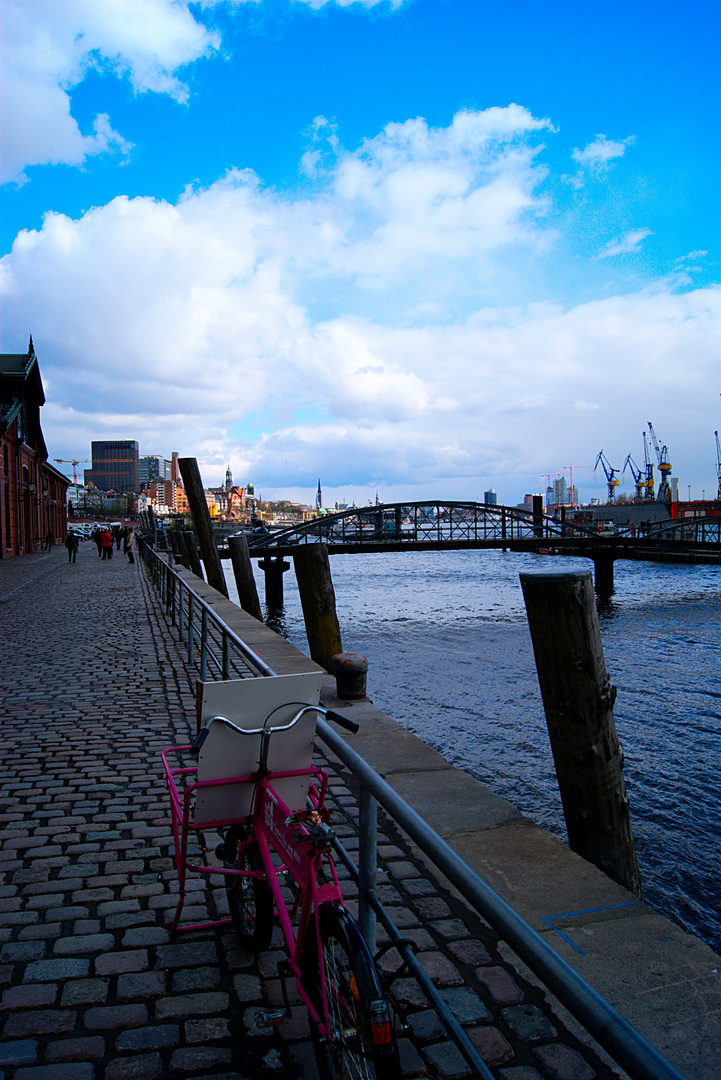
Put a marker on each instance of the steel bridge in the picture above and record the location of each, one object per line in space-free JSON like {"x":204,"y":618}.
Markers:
{"x":437,"y":525}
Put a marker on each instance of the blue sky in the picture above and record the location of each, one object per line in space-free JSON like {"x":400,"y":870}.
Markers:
{"x":421,"y":248}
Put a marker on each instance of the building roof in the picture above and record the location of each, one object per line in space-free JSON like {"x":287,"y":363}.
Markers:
{"x":21,"y":385}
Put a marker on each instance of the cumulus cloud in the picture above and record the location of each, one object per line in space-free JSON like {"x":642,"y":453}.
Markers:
{"x":181,"y":324}
{"x":625,"y":245}
{"x":48,"y":46}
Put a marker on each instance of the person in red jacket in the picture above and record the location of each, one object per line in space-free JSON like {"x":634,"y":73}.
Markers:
{"x":106,"y":544}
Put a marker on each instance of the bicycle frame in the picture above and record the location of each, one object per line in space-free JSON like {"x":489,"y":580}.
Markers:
{"x":274,"y":827}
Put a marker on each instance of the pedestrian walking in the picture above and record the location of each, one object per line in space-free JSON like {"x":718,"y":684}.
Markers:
{"x":117,"y":536}
{"x":129,"y":546}
{"x":97,"y":533}
{"x":48,"y":540}
{"x":71,"y":543}
{"x":106,"y":544}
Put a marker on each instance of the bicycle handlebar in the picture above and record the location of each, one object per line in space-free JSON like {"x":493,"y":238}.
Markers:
{"x":341,"y":721}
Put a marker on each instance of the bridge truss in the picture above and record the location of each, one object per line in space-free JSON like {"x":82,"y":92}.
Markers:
{"x":436,"y":524}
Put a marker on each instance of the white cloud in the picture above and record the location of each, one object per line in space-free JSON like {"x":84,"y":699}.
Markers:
{"x":597,"y":158}
{"x":180,"y":324}
{"x":625,"y":245}
{"x":49,"y":45}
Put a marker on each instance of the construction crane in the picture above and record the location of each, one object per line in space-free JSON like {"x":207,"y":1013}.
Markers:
{"x":649,"y":468}
{"x":637,"y":477}
{"x":610,"y":475}
{"x":664,"y":467}
{"x":718,"y":465}
{"x":572,"y":467}
{"x":74,"y":462}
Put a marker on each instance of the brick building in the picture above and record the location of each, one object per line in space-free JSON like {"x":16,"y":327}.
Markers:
{"x":32,"y":492}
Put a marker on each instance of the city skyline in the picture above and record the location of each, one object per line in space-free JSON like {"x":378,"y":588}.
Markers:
{"x":416,"y":247}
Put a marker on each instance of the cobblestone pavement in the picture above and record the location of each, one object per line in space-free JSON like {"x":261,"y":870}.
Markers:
{"x":93,"y":688}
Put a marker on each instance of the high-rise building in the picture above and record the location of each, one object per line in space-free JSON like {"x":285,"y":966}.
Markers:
{"x":154,"y":468}
{"x":116,"y":466}
{"x":490,"y":497}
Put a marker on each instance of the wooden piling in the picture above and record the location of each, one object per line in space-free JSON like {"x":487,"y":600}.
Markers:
{"x":195,"y":495}
{"x":244,"y":580}
{"x":578,"y":700}
{"x":191,"y":546}
{"x":317,"y":597}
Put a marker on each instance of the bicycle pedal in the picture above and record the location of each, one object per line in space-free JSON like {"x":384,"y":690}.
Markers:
{"x":269,"y":1017}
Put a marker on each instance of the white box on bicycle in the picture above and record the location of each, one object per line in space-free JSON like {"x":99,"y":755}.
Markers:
{"x":253,"y":704}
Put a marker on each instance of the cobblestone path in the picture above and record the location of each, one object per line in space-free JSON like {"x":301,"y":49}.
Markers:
{"x":92,"y":689}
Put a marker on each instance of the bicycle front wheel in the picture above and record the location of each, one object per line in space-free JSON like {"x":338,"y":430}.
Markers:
{"x":362,"y":1045}
{"x":250,"y":900}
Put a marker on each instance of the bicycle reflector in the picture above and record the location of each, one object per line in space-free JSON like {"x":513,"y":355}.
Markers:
{"x":380,"y":1023}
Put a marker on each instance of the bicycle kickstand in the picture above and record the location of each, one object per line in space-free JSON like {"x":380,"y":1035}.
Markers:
{"x":273,"y":1017}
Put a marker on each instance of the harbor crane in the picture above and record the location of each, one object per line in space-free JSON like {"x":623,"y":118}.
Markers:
{"x":718,"y":465}
{"x":638,"y":477}
{"x":610,"y":475}
{"x":649,"y":468}
{"x":74,"y":462}
{"x":664,"y":467}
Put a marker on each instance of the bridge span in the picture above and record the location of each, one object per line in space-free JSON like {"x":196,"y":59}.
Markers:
{"x":438,"y":525}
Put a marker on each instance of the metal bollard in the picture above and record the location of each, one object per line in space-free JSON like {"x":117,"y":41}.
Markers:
{"x":350,"y":671}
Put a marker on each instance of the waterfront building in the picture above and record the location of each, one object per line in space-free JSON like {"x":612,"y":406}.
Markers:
{"x":116,"y":465}
{"x":32,"y":491}
{"x":490,"y":498}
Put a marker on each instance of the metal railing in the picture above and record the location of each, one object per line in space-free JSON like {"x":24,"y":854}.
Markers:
{"x":626,"y":1046}
{"x":459,"y":523}
{"x":211,"y":647}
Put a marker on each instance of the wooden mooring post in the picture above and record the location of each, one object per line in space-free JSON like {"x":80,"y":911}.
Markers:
{"x":578,"y":700}
{"x":191,"y":546}
{"x":203,"y":526}
{"x":317,"y":597}
{"x":244,"y":580}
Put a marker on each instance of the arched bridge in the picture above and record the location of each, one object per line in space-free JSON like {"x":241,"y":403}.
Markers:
{"x":437,"y":525}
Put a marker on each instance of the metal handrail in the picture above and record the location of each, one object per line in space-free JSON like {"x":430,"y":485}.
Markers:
{"x":625,"y":1045}
{"x":196,"y":619}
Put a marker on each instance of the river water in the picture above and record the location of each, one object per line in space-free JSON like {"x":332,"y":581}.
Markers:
{"x":450,"y":658}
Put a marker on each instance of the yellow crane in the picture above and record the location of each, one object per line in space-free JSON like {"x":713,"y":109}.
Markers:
{"x":74,"y":462}
{"x":610,"y":475}
{"x":664,"y":467}
{"x":641,"y":484}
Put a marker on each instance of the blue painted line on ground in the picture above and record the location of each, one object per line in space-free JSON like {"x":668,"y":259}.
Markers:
{"x":585,"y":911}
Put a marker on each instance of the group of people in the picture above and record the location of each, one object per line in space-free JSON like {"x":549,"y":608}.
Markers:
{"x":104,"y":539}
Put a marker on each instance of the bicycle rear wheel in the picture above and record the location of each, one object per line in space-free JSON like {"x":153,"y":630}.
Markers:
{"x":362,"y":1044}
{"x":250,"y":900}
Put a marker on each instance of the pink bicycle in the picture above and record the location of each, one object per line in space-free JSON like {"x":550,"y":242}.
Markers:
{"x":268,"y":835}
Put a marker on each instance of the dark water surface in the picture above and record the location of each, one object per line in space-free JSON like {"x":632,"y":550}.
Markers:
{"x":450,"y":658}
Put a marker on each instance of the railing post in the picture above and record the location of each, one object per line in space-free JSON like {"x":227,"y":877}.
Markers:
{"x":226,"y":658}
{"x":180,"y":610}
{"x":191,"y":606}
{"x":203,"y":645}
{"x":367,"y":865}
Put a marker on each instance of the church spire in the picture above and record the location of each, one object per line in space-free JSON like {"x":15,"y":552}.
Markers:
{"x":31,"y":347}
{"x":318,"y":497}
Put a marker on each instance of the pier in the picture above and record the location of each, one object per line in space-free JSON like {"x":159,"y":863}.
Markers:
{"x":98,"y":676}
